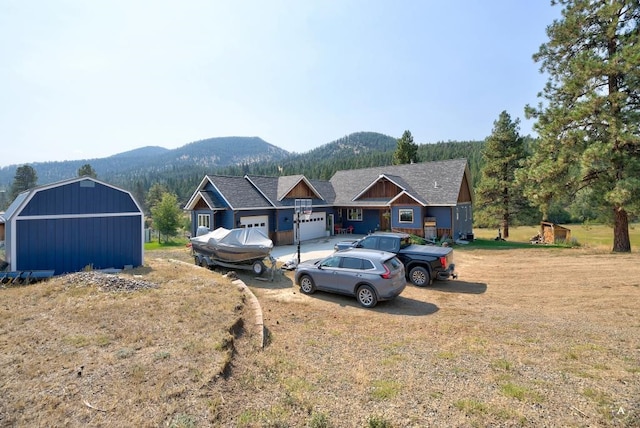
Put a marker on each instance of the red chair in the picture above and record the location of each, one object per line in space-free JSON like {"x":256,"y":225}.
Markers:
{"x":350,"y":229}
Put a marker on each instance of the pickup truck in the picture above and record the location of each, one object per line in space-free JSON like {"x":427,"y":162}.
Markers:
{"x":422,"y":263}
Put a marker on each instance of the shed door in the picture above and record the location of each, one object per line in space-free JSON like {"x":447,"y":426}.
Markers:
{"x":260,"y":222}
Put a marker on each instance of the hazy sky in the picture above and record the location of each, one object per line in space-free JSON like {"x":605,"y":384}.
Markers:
{"x":82,"y":79}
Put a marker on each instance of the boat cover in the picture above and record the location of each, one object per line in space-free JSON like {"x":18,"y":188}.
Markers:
{"x":234,"y":244}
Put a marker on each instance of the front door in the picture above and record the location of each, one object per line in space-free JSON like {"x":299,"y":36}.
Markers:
{"x":385,"y":217}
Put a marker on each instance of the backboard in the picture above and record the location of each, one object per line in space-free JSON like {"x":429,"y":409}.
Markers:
{"x":303,"y":207}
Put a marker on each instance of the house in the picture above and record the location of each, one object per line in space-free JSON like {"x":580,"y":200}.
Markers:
{"x":74,"y":224}
{"x":432,"y":199}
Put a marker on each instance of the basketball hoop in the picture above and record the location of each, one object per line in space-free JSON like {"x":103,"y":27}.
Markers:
{"x":303,"y":208}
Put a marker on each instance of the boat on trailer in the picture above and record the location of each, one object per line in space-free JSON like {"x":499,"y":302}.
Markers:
{"x":241,"y":246}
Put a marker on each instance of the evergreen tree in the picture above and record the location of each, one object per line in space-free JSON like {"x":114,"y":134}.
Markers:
{"x":154,"y":195}
{"x":407,"y":150}
{"x":498,"y":198}
{"x":25,"y":179}
{"x":166,"y":216}
{"x":589,"y":127}
{"x":87,"y":170}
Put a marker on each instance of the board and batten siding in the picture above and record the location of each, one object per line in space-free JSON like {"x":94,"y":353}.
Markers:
{"x":77,"y":224}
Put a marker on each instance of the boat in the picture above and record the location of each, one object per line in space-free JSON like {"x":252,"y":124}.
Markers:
{"x":242,"y":245}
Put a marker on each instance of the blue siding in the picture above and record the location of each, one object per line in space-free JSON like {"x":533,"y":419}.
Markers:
{"x":80,"y":197}
{"x":369,"y":224}
{"x":285,"y":220}
{"x":463,"y":220}
{"x":418,"y":221}
{"x":70,"y":244}
{"x":225,"y":219}
{"x":442,"y":215}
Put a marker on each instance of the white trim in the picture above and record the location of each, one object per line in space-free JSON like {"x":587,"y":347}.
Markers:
{"x":94,"y":215}
{"x":191,"y":201}
{"x":404,"y":192}
{"x":373,"y":184}
{"x":206,"y":216}
{"x":313,"y":189}
{"x":400,"y":210}
{"x":356,"y":219}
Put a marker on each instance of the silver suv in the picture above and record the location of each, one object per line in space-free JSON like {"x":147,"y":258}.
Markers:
{"x":369,"y":275}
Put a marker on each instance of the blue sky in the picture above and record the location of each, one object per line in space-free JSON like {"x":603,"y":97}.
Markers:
{"x":82,"y":79}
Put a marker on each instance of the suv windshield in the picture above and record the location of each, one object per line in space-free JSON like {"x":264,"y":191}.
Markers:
{"x":405,"y":242}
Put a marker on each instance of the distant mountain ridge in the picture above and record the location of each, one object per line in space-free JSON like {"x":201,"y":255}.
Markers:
{"x":181,"y":169}
{"x":202,"y":155}
{"x":147,"y":151}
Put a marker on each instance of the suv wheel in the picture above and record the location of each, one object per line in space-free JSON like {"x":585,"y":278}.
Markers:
{"x":306,"y":285}
{"x":366,"y":296}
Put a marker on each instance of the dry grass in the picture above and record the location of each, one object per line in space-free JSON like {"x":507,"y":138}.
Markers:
{"x":73,"y":355}
{"x":540,"y":337}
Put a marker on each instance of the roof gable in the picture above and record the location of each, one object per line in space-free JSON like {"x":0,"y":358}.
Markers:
{"x":49,"y":199}
{"x":282,"y":191}
{"x":430,"y":183}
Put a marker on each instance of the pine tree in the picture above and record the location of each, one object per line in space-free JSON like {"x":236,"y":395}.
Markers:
{"x":25,"y":179}
{"x":154,"y":195}
{"x":498,"y":197}
{"x":407,"y":150}
{"x":589,"y":127}
{"x":87,"y":170}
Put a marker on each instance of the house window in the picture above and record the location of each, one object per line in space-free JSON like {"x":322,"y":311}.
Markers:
{"x":405,"y":216}
{"x":354,"y":214}
{"x":204,"y":220}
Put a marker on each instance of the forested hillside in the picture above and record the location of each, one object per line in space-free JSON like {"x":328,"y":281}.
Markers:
{"x":181,"y":169}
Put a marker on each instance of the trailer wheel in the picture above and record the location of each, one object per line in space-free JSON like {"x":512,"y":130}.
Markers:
{"x":258,"y":268}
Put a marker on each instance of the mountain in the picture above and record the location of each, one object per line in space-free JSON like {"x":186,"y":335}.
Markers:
{"x":181,"y":169}
{"x":143,"y":152}
{"x":152,"y":161}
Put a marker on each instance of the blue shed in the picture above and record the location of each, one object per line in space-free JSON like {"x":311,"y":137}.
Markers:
{"x":74,"y":224}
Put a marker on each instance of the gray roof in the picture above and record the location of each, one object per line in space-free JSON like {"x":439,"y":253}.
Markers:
{"x":434,"y":183}
{"x":239,"y":192}
{"x":430,"y":183}
{"x":212,"y":200}
{"x":276,"y":188}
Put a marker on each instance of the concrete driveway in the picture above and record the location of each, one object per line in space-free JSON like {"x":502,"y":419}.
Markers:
{"x":313,"y":249}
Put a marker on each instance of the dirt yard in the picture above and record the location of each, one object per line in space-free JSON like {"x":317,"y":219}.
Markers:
{"x":539,"y":337}
{"x":524,"y":337}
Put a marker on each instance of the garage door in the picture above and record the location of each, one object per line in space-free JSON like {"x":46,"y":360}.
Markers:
{"x":260,"y":222}
{"x":313,"y":228}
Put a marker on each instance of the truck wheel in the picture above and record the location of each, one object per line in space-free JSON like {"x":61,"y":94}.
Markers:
{"x":204,"y":264}
{"x":366,"y":296}
{"x":258,"y":268}
{"x":420,"y":276}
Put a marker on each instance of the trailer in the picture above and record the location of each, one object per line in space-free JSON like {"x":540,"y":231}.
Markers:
{"x":258,"y":267}
{"x":24,"y":277}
